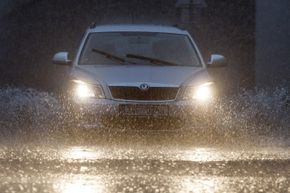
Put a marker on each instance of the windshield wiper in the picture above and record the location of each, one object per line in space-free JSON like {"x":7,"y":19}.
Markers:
{"x":151,"y":60}
{"x":112,"y":56}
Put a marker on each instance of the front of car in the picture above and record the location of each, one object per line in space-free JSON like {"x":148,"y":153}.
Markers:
{"x":139,"y":71}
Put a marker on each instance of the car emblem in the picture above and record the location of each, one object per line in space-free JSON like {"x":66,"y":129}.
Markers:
{"x":144,"y":87}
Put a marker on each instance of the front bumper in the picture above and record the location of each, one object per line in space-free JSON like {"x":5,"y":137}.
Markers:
{"x":111,"y":108}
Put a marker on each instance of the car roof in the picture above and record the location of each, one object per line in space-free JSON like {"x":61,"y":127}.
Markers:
{"x":138,"y":28}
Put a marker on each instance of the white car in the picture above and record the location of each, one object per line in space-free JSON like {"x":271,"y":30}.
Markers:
{"x":139,"y":71}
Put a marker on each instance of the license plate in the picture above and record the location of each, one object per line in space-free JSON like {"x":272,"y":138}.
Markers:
{"x":144,"y":110}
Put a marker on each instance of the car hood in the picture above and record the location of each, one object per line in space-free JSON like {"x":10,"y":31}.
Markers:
{"x":129,"y":75}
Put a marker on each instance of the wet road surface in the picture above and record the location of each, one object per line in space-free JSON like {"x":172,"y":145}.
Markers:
{"x":142,"y":163}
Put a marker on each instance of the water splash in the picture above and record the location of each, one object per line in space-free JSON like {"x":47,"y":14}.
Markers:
{"x":257,"y":112}
{"x":27,"y":111}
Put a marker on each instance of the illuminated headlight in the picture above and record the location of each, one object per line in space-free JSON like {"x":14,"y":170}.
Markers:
{"x":83,"y":90}
{"x":203,"y":93}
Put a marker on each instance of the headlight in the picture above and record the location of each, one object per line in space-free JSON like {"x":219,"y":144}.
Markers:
{"x":203,"y":93}
{"x":84,"y":90}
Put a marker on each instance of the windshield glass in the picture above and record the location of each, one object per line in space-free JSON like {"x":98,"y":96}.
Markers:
{"x":168,"y":48}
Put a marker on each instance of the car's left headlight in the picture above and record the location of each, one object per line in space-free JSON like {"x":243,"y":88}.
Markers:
{"x":83,"y":90}
{"x":203,"y":93}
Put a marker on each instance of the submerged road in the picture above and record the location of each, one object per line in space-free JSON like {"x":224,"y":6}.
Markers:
{"x":142,"y":163}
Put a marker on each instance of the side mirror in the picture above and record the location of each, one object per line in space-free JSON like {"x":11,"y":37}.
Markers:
{"x":217,"y":61}
{"x":61,"y":58}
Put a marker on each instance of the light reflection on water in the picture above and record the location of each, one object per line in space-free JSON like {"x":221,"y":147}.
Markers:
{"x":209,"y":185}
{"x":90,"y":178}
{"x":79,"y":184}
{"x":81,"y":154}
{"x":179,"y":184}
{"x":97,"y":184}
{"x":202,"y":155}
{"x":197,"y":154}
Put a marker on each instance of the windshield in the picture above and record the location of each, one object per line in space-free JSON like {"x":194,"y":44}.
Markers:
{"x":151,"y":48}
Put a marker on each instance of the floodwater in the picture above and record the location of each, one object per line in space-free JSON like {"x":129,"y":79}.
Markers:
{"x":92,"y":169}
{"x":245,"y":147}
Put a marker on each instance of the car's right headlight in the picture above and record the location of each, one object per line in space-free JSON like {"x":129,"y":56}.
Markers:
{"x":83,"y":90}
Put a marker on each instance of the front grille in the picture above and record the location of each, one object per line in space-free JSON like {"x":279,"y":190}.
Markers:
{"x":153,"y":94}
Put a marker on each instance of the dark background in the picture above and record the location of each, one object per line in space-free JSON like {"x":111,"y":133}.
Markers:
{"x":32,"y":32}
